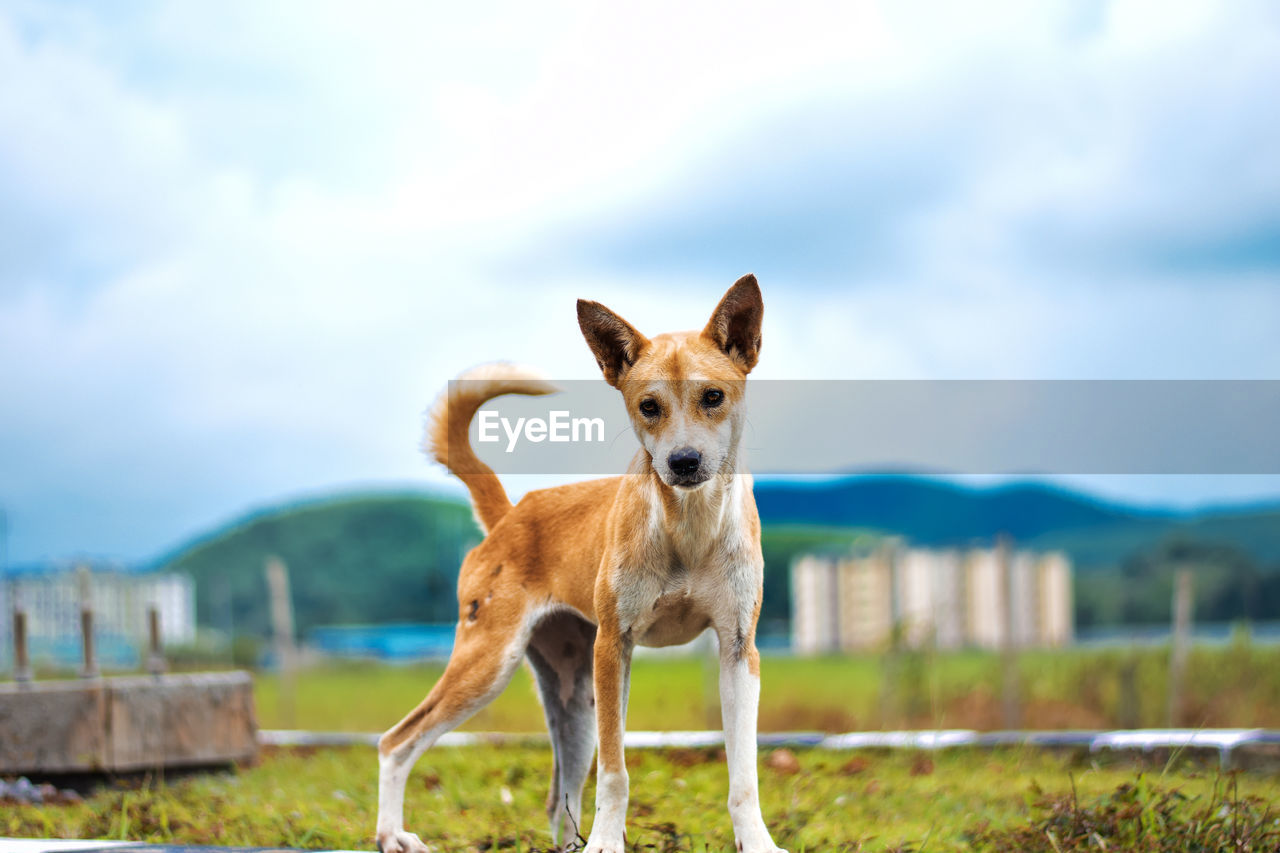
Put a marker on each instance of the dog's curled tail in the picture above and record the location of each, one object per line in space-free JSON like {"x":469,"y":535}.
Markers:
{"x":446,"y":439}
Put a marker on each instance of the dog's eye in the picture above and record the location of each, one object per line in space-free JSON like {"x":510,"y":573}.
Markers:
{"x":712,"y":397}
{"x":650,"y":408}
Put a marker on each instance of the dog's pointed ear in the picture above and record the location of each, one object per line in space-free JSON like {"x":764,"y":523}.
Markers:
{"x":735,"y":325}
{"x":614,"y":342}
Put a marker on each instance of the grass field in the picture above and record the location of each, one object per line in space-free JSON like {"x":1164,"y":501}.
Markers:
{"x":1234,"y":686}
{"x":486,"y":798}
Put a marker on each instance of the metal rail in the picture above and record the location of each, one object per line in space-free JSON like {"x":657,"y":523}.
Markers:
{"x":1226,"y":742}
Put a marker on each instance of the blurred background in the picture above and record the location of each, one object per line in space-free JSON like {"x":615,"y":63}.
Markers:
{"x":243,"y":245}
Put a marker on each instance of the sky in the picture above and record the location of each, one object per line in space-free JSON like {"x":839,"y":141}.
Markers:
{"x":243,"y":244}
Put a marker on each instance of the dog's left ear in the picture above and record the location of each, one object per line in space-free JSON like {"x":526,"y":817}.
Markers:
{"x":735,"y":325}
{"x":613,"y":341}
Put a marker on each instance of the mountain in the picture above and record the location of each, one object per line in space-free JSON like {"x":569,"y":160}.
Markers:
{"x":389,"y":557}
{"x":353,"y":558}
{"x":1096,"y":534}
{"x":933,"y":512}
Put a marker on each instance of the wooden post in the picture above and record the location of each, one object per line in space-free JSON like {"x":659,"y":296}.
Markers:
{"x":713,"y":715}
{"x":155,"y":651}
{"x":1129,"y":706}
{"x":1010,"y":698}
{"x":89,"y":668}
{"x":220,"y":593}
{"x":282,"y":623}
{"x":21,"y":662}
{"x":1183,"y":601}
{"x":889,"y":560}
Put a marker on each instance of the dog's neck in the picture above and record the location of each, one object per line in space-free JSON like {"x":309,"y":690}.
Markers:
{"x":700,"y":511}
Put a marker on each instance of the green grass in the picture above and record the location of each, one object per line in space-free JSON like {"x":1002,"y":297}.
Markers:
{"x":1004,"y":800}
{"x":1235,"y":686}
{"x":835,"y":801}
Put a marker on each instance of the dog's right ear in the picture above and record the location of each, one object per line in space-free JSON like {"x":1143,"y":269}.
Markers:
{"x":613,"y":341}
{"x":735,"y":325}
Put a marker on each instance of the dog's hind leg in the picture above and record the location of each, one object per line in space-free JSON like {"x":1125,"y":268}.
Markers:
{"x":560,"y":653}
{"x":488,"y":648}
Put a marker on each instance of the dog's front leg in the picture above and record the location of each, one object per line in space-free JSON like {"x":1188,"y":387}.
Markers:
{"x":612,"y":677}
{"x":739,"y":703}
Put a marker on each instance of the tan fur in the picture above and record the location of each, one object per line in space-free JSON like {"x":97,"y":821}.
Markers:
{"x":653,"y":557}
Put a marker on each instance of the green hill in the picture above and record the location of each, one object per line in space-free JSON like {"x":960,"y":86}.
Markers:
{"x":357,"y":558}
{"x":1103,"y":547}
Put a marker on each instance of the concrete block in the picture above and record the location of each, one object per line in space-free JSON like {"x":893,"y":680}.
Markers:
{"x":53,"y":726}
{"x":134,"y":723}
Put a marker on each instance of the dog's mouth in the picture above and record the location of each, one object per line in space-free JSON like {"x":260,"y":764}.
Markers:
{"x":688,"y":481}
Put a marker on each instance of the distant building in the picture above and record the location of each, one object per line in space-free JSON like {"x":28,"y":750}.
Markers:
{"x":945,"y":598}
{"x":51,"y":597}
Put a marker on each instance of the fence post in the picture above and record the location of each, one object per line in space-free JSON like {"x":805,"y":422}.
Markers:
{"x":713,"y":714}
{"x":888,"y":560}
{"x":155,"y":654}
{"x":21,"y":662}
{"x":282,"y":622}
{"x":1183,"y":601}
{"x":1128,"y":706}
{"x":1010,"y":689}
{"x":89,"y":668}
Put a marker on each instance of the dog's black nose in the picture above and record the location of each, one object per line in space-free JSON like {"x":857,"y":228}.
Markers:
{"x":684,"y":462}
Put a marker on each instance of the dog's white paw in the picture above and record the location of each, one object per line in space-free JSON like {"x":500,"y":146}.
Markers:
{"x":758,"y":846}
{"x":401,"y":842}
{"x":594,"y":846}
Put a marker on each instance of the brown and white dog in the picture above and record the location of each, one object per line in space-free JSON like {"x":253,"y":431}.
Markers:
{"x":573,"y":577}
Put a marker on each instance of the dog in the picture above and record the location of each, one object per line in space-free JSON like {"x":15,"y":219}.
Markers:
{"x":573,"y":577}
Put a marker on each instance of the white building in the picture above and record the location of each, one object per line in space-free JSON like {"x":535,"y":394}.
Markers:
{"x":51,"y":598}
{"x":945,"y":598}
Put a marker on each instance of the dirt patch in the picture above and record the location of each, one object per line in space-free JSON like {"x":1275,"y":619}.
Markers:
{"x":854,"y":766}
{"x":692,"y":757}
{"x":783,"y":761}
{"x":921,"y":765}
